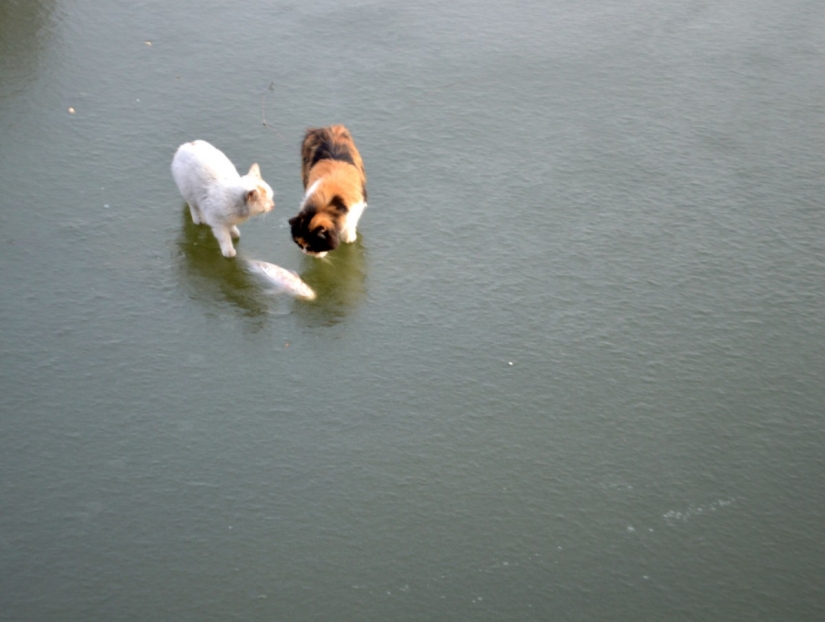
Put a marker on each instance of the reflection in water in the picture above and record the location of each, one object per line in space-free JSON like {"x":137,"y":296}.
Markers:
{"x":22,"y":29}
{"x":339,"y":281}
{"x":211,"y":277}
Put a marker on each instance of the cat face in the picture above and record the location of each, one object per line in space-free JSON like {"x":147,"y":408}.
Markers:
{"x":314,"y":232}
{"x":258,"y":199}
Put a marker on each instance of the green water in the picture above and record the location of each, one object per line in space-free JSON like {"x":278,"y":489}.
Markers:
{"x":571,"y":370}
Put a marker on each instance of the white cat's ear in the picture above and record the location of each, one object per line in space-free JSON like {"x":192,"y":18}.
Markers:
{"x":252,"y":195}
{"x":255,"y":171}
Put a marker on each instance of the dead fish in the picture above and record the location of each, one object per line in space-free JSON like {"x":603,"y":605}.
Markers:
{"x":285,"y":280}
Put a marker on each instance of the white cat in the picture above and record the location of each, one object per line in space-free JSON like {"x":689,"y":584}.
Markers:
{"x":216,"y":194}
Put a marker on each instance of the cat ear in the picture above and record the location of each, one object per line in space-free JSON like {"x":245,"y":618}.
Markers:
{"x":255,"y":171}
{"x":252,"y":195}
{"x":321,"y":232}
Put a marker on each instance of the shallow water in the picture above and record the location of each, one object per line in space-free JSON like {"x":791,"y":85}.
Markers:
{"x":571,"y":370}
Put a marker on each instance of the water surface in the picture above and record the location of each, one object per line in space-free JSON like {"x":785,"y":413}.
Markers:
{"x":571,"y":370}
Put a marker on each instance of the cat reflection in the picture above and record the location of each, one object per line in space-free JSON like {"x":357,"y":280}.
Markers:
{"x":210,"y":278}
{"x":339,"y":281}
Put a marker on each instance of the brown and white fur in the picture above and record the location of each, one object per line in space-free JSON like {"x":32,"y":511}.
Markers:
{"x":216,"y":194}
{"x":336,"y":191}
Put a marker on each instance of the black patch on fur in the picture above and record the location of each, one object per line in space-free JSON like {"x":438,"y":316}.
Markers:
{"x":338,"y":203}
{"x":321,"y":239}
{"x":330,"y":151}
{"x":303,"y":217}
{"x":316,"y":240}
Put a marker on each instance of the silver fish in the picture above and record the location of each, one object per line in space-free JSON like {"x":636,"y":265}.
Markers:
{"x":285,"y":280}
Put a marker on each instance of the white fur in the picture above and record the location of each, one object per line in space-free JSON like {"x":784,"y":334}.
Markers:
{"x":309,"y":192}
{"x":217,"y":195}
{"x":348,"y":233}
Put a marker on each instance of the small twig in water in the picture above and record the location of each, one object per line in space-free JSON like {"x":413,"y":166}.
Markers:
{"x":263,"y":112}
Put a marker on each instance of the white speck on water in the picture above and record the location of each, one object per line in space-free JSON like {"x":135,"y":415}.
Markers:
{"x":106,"y":205}
{"x":693,"y":511}
{"x":630,"y":529}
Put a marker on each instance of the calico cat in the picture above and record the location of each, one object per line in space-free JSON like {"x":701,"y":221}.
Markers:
{"x":216,"y":194}
{"x":336,"y":191}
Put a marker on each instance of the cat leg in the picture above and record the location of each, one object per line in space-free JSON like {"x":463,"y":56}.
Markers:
{"x":233,"y":231}
{"x":224,"y":239}
{"x":196,"y":214}
{"x":348,"y":234}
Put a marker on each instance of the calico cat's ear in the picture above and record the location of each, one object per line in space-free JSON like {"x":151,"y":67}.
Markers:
{"x":321,"y":232}
{"x":255,"y":171}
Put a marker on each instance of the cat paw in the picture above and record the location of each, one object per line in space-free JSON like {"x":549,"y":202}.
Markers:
{"x":229,"y":253}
